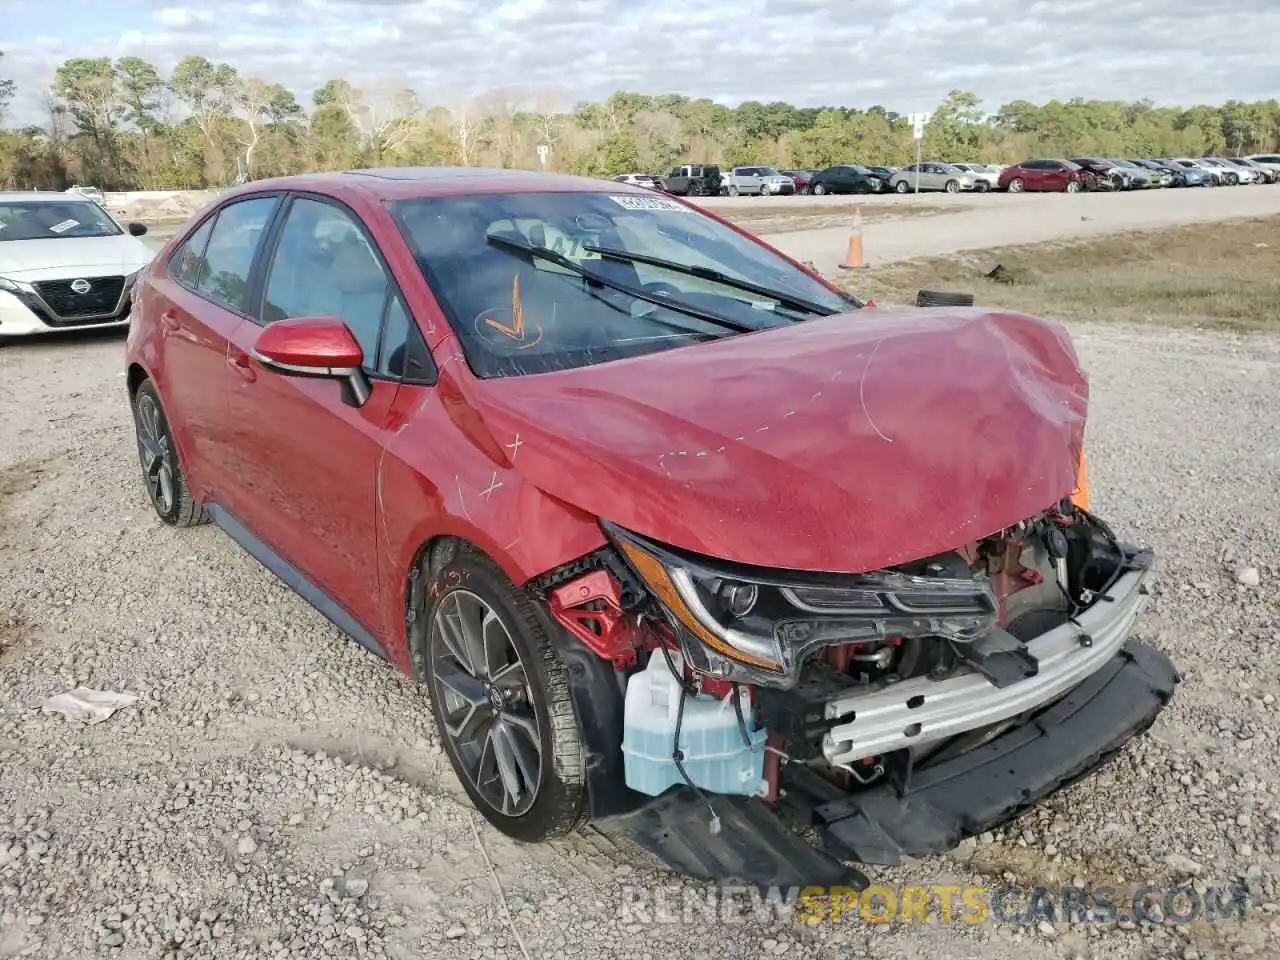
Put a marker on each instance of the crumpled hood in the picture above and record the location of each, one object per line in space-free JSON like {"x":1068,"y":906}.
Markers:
{"x":841,"y":444}
{"x":60,"y":257}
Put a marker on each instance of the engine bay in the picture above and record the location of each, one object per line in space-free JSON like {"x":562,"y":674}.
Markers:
{"x":731,"y":674}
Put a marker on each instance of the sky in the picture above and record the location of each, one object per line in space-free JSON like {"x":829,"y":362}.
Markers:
{"x":902,"y":54}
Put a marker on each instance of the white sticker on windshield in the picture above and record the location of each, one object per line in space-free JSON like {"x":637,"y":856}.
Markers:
{"x":64,"y":226}
{"x":631,"y":201}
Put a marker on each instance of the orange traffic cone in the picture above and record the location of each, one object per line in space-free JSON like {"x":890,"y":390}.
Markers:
{"x":853,"y":256}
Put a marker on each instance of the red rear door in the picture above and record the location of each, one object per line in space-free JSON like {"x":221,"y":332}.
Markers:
{"x":197,"y":302}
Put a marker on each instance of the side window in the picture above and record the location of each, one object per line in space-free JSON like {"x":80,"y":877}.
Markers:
{"x":324,"y":266}
{"x":403,"y":352}
{"x":231,"y":249}
{"x":187,"y":263}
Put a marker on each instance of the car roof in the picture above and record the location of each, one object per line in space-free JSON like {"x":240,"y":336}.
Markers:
{"x":407,"y":183}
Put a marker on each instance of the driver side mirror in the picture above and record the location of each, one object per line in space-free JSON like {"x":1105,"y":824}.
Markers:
{"x":137,"y":229}
{"x":322,"y":347}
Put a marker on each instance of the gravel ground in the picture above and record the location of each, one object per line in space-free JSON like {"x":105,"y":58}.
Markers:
{"x":276,"y":792}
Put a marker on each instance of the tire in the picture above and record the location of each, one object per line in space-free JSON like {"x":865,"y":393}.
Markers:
{"x":952,"y":186}
{"x":1073,"y":186}
{"x":733,"y":191}
{"x":162,"y":473}
{"x":902,"y":187}
{"x":1233,"y":180}
{"x":820,"y":190}
{"x":558,"y":803}
{"x":981,"y":186}
{"x":805,"y":191}
{"x":943,"y":298}
{"x":1015,"y":185}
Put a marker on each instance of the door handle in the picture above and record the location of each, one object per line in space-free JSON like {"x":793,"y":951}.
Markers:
{"x":238,"y":361}
{"x":169,"y":319}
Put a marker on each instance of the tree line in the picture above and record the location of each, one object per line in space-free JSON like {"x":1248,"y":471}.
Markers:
{"x":121,"y":125}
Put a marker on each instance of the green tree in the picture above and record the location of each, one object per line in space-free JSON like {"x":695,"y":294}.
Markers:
{"x":207,"y":90}
{"x":7,"y":89}
{"x":140,"y":89}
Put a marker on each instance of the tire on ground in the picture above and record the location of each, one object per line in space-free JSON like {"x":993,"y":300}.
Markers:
{"x":562,"y":803}
{"x":186,"y":511}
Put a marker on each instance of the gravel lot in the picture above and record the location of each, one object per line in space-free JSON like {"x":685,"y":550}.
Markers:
{"x":276,"y":792}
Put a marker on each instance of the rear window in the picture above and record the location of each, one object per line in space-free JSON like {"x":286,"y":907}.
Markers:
{"x":516,"y":314}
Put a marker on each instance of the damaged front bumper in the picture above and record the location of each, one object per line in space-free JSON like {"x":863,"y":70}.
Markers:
{"x":917,"y":812}
{"x":913,"y":713}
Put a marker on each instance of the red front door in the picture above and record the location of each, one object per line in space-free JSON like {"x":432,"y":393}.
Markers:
{"x":306,"y":480}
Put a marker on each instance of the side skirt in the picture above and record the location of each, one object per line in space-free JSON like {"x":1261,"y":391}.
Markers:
{"x":295,"y":579}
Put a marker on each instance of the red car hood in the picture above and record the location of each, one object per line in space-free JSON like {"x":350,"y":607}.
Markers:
{"x":842,"y":444}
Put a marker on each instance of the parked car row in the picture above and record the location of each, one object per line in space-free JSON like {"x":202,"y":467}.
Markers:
{"x":1066,"y":175}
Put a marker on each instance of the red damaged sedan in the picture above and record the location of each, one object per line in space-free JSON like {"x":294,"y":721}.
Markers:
{"x":678,"y":538}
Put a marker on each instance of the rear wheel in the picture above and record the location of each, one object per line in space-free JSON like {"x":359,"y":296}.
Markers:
{"x":162,"y":473}
{"x":501,"y":700}
{"x":1073,"y":186}
{"x":820,"y":189}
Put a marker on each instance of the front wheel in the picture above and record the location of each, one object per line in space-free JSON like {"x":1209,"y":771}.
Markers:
{"x":981,"y":186}
{"x":1016,"y":185}
{"x":952,"y":186}
{"x":903,"y":187}
{"x":500,"y":697}
{"x":733,"y":191}
{"x":162,"y":471}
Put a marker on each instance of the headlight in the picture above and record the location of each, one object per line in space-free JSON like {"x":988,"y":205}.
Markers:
{"x":758,"y":626}
{"x":10,"y":286}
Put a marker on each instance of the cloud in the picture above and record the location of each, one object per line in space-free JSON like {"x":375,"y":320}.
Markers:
{"x":903,"y":54}
{"x":181,"y":16}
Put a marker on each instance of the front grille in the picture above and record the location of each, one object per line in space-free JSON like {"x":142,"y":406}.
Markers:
{"x":101,"y":297}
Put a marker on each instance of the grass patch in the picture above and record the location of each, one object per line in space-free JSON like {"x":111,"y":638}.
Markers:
{"x":1220,"y":276}
{"x":788,"y":219}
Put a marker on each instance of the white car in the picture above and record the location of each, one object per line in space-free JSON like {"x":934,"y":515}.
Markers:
{"x":757,"y":182}
{"x":1269,"y":160}
{"x":982,"y":173}
{"x":1243,"y":174}
{"x":640,"y":180}
{"x":65,"y":264}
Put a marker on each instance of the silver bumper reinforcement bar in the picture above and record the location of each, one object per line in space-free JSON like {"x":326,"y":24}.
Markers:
{"x":918,"y":711}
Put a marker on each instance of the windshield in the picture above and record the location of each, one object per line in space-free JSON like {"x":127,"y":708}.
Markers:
{"x":52,"y":219}
{"x":520,"y":314}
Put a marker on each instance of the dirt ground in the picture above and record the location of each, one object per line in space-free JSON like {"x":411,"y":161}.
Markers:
{"x":1213,"y":277}
{"x":277,"y":793}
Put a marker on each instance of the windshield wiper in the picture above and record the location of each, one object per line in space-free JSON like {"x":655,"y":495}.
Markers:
{"x":708,"y":273}
{"x":560,"y":260}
